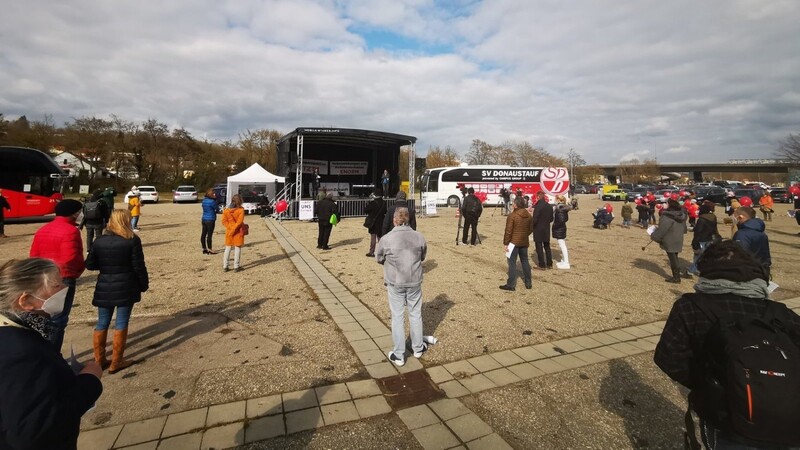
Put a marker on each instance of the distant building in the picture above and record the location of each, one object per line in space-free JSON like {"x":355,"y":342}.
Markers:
{"x":77,"y":166}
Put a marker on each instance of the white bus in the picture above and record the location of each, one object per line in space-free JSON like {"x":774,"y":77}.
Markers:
{"x":444,"y":184}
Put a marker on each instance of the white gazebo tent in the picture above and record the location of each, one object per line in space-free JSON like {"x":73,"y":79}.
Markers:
{"x":253,"y":175}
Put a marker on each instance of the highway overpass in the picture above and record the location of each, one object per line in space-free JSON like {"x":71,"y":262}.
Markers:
{"x":696,"y":170}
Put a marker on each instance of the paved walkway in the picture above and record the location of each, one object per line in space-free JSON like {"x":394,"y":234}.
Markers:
{"x":441,"y":424}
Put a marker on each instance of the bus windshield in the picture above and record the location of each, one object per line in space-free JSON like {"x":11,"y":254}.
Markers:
{"x":31,"y":181}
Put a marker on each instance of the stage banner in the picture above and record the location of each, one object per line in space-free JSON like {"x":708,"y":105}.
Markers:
{"x":306,"y":210}
{"x":348,"y":167}
{"x":310,"y":164}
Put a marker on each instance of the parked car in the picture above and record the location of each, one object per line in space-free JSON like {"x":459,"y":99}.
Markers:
{"x":754,"y":194}
{"x":581,"y":189}
{"x":781,"y":195}
{"x":146,"y":194}
{"x":615,"y":194}
{"x":184,"y":193}
{"x":220,"y":192}
{"x":714,"y":194}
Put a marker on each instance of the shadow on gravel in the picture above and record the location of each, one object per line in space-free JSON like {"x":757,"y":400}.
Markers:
{"x":154,"y":244}
{"x":161,"y":227}
{"x":434,"y":312}
{"x":650,"y":266}
{"x":174,"y":330}
{"x":651,"y":421}
{"x":353,"y":241}
{"x":429,"y":265}
{"x":266,"y":260}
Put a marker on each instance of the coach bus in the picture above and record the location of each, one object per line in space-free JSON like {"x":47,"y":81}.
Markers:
{"x":444,"y":184}
{"x":31,"y":181}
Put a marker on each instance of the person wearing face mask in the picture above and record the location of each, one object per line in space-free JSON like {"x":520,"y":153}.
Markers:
{"x":42,"y":398}
{"x":751,"y":235}
{"x":123,"y":277}
{"x":60,"y":240}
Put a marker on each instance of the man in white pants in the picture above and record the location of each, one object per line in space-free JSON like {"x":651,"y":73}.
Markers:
{"x":401,"y":252}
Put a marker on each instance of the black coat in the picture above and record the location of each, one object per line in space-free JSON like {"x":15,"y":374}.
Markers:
{"x":560,"y":218}
{"x":123,"y":275}
{"x":376,"y":212}
{"x":41,"y":399}
{"x":542,"y":217}
{"x":472,"y":207}
{"x":3,"y":206}
{"x":325,"y":209}
{"x":705,"y":230}
{"x":388,"y":221}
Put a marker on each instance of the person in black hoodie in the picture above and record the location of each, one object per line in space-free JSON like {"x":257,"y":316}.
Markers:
{"x":42,"y":398}
{"x":705,"y":232}
{"x":325,"y":209}
{"x":542,"y":217}
{"x":669,"y":235}
{"x":471,"y":209}
{"x":399,"y":202}
{"x":95,"y":214}
{"x":376,"y":212}
{"x":123,"y":277}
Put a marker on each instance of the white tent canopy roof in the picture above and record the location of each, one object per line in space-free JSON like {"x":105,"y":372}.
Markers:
{"x":254,"y":174}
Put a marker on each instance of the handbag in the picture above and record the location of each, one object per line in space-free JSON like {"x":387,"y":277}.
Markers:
{"x":333,"y":220}
{"x":245,"y":229}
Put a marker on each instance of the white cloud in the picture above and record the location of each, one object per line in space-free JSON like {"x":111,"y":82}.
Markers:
{"x":605,"y":78}
{"x":679,"y":149}
{"x":640,"y":155}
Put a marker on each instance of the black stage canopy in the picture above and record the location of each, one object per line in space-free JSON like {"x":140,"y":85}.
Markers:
{"x":350,"y":161}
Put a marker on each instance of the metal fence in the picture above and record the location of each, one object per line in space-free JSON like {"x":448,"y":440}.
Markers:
{"x":347,"y":208}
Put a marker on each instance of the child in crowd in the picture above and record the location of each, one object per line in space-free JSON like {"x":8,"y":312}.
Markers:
{"x":627,"y":214}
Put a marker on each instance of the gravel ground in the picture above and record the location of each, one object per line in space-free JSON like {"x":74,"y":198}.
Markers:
{"x":612,"y":283}
{"x":624,"y":403}
{"x":206,"y":336}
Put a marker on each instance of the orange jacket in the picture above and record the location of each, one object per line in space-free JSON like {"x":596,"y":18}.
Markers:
{"x":232,"y":220}
{"x":767,"y":201}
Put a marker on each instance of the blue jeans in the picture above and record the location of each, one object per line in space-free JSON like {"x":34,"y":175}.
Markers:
{"x":104,"y":317}
{"x":59,"y":321}
{"x":512,"y":266}
{"x":135,"y":222}
{"x":399,"y":299}
{"x":693,"y":267}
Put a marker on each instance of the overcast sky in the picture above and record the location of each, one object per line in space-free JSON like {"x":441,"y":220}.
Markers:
{"x":680,"y":80}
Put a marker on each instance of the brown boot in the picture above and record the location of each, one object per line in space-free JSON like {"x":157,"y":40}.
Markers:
{"x":117,"y":362}
{"x":99,"y":343}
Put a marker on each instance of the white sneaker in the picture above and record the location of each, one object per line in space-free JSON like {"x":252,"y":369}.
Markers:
{"x":421,"y":352}
{"x":394,"y":359}
{"x":561,"y":265}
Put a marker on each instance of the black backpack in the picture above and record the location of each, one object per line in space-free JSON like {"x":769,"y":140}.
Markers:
{"x":749,"y":377}
{"x":92,"y":210}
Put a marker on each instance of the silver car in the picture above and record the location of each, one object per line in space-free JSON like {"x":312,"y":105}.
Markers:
{"x":184,"y":194}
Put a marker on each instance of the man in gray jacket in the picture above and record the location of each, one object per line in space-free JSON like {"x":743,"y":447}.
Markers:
{"x":401,"y":252}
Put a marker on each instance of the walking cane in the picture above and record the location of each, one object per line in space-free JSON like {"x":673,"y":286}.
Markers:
{"x":648,"y":244}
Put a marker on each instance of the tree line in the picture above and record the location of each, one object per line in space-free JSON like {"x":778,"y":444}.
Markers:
{"x":148,"y":151}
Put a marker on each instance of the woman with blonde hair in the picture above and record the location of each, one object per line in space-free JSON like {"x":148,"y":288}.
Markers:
{"x":119,"y":257}
{"x":560,"y":218}
{"x":235,"y":230}
{"x":42,"y":399}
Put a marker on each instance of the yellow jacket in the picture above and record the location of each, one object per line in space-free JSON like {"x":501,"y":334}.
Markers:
{"x":134,"y":206}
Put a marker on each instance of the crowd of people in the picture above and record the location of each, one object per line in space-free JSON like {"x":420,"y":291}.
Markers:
{"x":44,"y":396}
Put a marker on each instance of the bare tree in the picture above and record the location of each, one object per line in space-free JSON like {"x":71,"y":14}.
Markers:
{"x":789,"y":148}
{"x":438,"y":157}
{"x":261,"y":146}
{"x":481,"y":152}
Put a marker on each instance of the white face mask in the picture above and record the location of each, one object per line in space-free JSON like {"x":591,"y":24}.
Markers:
{"x":54,"y":305}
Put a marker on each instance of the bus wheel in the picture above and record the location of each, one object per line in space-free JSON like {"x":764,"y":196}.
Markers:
{"x":453,"y":201}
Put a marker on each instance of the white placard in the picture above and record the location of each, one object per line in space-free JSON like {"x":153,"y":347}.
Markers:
{"x":310,"y":164}
{"x":26,"y":188}
{"x":306,"y":210}
{"x":83,"y":189}
{"x":430,"y":207}
{"x":349,"y":167}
